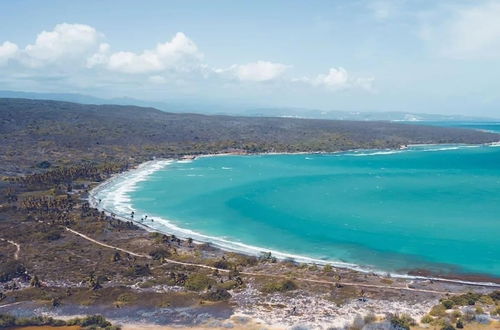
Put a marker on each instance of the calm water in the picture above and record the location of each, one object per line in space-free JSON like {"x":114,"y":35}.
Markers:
{"x":432,"y":207}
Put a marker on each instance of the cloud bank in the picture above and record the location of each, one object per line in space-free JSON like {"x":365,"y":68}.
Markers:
{"x":81,"y":55}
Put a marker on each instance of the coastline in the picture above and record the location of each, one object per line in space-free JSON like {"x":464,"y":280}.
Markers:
{"x":142,"y":171}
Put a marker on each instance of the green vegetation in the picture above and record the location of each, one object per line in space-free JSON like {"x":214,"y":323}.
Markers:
{"x":92,"y":322}
{"x":426,"y":319}
{"x":402,"y":322}
{"x":218,"y":294}
{"x":10,"y":270}
{"x":198,"y":282}
{"x":279,"y":286}
{"x":438,"y":311}
{"x":159,"y":254}
{"x":84,"y":134}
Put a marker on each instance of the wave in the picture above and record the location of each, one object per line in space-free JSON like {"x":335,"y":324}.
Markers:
{"x":113,"y":197}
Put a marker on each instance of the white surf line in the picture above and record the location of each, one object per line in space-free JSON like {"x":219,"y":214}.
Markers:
{"x":258,"y":274}
{"x":18,"y":247}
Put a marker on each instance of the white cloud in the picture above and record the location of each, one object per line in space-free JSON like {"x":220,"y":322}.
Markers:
{"x":64,"y":42}
{"x":180,"y":53}
{"x":75,"y":55}
{"x":8,"y":50}
{"x":337,"y":79}
{"x":466,"y":33}
{"x":256,"y":71}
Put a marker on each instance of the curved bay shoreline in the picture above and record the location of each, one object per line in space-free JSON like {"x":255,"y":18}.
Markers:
{"x":140,"y":173}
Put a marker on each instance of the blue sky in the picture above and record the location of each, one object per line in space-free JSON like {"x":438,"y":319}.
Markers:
{"x":420,"y":56}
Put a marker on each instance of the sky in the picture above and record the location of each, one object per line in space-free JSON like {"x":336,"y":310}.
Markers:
{"x":358,"y":55}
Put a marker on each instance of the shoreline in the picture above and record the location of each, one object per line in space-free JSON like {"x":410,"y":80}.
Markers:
{"x":147,"y":168}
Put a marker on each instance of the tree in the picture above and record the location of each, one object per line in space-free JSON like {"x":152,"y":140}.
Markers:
{"x":116,"y":257}
{"x":35,"y":282}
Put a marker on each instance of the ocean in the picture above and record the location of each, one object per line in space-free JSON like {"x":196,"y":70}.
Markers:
{"x":431,"y":207}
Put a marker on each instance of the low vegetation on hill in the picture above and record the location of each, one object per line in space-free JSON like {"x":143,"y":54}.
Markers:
{"x":38,"y":134}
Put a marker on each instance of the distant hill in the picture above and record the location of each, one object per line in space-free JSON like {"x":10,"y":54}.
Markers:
{"x":33,"y":131}
{"x":204,"y":107}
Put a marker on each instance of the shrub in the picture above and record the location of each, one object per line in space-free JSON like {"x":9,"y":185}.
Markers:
{"x":243,"y":260}
{"x":228,"y":285}
{"x":495,"y":295}
{"x":448,"y":304}
{"x":460,"y":324}
{"x":487,"y":300}
{"x":427,"y":319}
{"x":402,"y":321}
{"x":198,"y":282}
{"x":327,"y":268}
{"x":138,"y":270}
{"x":479,"y":310}
{"x":221,"y":264}
{"x":91,"y":322}
{"x":438,"y":310}
{"x":448,"y":327}
{"x":159,"y":254}
{"x":469,"y":298}
{"x":218,"y":294}
{"x":10,"y":270}
{"x":7,"y":321}
{"x":370,"y":318}
{"x":279,"y":286}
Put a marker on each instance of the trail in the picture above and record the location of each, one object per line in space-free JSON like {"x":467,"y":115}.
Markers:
{"x":18,"y":247}
{"x":386,"y":287}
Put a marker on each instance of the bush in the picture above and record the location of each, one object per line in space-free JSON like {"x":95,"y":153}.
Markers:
{"x":438,"y":310}
{"x":327,"y":268}
{"x":221,"y":264}
{"x":228,"y":285}
{"x":279,"y":286}
{"x":159,"y":254}
{"x":427,"y":319}
{"x":217,"y":295}
{"x":92,"y":322}
{"x":487,"y":300}
{"x":198,"y":282}
{"x":495,"y":295}
{"x":370,"y":318}
{"x":138,"y":270}
{"x":469,"y":298}
{"x":10,"y":270}
{"x":460,"y":324}
{"x":402,"y":322}
{"x":448,"y":304}
{"x":7,"y":321}
{"x":244,"y":261}
{"x":448,"y":327}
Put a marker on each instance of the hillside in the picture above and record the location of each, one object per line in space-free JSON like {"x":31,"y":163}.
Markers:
{"x":60,"y":133}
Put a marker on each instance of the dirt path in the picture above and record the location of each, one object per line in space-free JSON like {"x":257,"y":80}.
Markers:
{"x":107,"y":245}
{"x":18,"y":247}
{"x":386,"y":287}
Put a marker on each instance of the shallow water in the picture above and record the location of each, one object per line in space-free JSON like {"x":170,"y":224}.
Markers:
{"x":431,"y":207}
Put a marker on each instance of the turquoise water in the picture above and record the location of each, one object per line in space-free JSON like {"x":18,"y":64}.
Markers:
{"x":430,"y":207}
